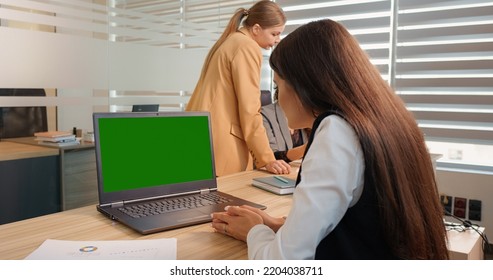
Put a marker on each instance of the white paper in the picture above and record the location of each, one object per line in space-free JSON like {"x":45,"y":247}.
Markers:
{"x":148,"y":249}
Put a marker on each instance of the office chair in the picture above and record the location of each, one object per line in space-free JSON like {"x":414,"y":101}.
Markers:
{"x":265,"y":97}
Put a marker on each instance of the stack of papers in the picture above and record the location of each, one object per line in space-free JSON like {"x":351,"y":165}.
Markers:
{"x":149,"y":249}
{"x":56,"y":138}
{"x":275,"y":184}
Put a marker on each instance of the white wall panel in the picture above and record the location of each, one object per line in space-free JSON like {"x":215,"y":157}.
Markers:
{"x":146,"y":68}
{"x":32,"y":59}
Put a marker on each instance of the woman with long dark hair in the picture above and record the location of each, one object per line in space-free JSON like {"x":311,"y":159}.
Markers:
{"x":366,"y":188}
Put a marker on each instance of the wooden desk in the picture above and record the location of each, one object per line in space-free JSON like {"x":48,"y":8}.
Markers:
{"x":13,"y":151}
{"x":78,"y":179}
{"x":465,"y":245}
{"x":198,"y":242}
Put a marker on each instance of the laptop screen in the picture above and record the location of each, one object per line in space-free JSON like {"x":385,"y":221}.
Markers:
{"x":151,"y":150}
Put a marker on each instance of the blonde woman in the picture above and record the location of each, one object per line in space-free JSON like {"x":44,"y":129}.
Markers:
{"x":229,"y":88}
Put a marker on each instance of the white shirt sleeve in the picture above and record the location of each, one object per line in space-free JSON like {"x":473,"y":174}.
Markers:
{"x":331,"y":181}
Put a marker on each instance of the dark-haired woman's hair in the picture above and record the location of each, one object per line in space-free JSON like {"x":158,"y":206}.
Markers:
{"x":327,"y":68}
{"x":265,"y":13}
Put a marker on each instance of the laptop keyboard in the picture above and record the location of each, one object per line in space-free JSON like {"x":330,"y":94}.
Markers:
{"x":173,"y":204}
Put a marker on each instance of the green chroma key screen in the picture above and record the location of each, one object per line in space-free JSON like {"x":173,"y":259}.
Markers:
{"x":143,"y":152}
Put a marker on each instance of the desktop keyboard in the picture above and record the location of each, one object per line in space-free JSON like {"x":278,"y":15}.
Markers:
{"x":173,"y":204}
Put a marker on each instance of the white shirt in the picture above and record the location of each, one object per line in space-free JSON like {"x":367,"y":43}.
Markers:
{"x":331,"y":181}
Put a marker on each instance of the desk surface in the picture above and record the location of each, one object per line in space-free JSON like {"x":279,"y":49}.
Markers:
{"x":32,"y":141}
{"x":465,"y":245}
{"x":12,"y":151}
{"x":198,"y":242}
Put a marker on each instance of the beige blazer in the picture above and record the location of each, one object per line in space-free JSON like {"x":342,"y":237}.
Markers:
{"x":230,"y":91}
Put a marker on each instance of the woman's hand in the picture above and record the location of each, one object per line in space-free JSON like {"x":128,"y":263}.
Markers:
{"x":236,"y":221}
{"x":273,"y":223}
{"x":278,"y":167}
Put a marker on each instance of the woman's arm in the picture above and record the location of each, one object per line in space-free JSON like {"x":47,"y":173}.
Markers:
{"x":246,"y":78}
{"x":291,"y":154}
{"x":331,"y":182}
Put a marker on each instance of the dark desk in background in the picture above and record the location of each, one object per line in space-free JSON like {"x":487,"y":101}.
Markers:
{"x":29,"y":181}
{"x":76,"y":172}
{"x":78,"y":178}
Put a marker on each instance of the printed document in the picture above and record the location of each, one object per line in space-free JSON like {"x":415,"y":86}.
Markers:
{"x":148,"y":249}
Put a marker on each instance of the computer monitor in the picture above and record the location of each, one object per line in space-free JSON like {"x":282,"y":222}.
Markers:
{"x":22,"y":121}
{"x":145,"y":108}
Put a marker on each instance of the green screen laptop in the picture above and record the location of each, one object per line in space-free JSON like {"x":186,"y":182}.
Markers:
{"x":156,"y":170}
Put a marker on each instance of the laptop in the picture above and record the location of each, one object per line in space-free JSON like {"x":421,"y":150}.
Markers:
{"x":160,"y":160}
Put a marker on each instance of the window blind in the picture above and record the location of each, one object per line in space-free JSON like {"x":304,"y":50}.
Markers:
{"x":188,"y":20}
{"x":444,"y":68}
{"x":438,"y":55}
{"x":369,"y":21}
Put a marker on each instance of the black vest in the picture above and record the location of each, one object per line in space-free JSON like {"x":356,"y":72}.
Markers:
{"x":358,"y":235}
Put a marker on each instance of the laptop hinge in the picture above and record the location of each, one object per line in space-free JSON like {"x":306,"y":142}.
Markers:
{"x":204,"y":191}
{"x":117,"y":204}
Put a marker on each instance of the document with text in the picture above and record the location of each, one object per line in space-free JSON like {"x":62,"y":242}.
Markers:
{"x":148,"y":249}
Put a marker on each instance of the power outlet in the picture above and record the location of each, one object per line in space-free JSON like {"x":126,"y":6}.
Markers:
{"x":460,"y":205}
{"x":475,"y":210}
{"x":460,"y":212}
{"x":460,"y":202}
{"x":446,"y":201}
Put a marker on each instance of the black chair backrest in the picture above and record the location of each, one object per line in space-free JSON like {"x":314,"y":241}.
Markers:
{"x":265,"y":97}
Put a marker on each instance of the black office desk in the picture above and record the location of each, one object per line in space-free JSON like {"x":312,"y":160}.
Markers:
{"x":77,"y":172}
{"x":29,"y":181}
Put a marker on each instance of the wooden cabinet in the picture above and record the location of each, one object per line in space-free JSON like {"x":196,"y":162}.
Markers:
{"x":79,"y":186}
